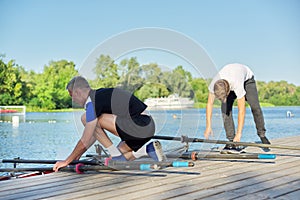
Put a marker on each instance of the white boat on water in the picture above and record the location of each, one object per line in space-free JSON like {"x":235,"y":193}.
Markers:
{"x":171,"y":102}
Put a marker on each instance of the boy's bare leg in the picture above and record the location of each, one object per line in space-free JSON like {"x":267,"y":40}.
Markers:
{"x":99,"y":135}
{"x":108,"y":122}
{"x":126,"y":150}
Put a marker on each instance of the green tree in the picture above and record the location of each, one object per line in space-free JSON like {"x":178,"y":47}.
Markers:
{"x":13,"y":88}
{"x":200,"y":89}
{"x":278,"y":93}
{"x":131,"y":75}
{"x":106,"y":73}
{"x":177,"y":81}
{"x":153,"y":86}
{"x":152,"y":90}
{"x":295,"y":97}
{"x":28,"y":87}
{"x":46,"y":90}
{"x":151,"y":73}
{"x":50,"y":86}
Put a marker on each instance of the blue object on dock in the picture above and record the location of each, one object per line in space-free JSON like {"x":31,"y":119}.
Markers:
{"x":145,"y":167}
{"x":180,"y":164}
{"x":266,"y":156}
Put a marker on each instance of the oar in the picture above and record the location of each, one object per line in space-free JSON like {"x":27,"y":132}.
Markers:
{"x":87,"y":162}
{"x":113,"y":162}
{"x":95,"y":165}
{"x":187,"y":139}
{"x":77,"y":168}
{"x":197,"y":155}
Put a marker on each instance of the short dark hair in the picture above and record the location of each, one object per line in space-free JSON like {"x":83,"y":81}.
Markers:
{"x":77,"y":82}
{"x":221,"y":89}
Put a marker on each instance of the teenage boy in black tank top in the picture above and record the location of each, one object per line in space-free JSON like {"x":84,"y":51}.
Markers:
{"x":118,"y":112}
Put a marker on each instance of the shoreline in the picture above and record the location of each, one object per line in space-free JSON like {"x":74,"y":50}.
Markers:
{"x":197,"y":106}
{"x":215,"y":106}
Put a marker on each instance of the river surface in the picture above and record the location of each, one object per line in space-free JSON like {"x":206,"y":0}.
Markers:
{"x":44,"y":135}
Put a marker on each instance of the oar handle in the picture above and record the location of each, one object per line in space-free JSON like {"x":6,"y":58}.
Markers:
{"x":48,"y":161}
{"x":32,"y":169}
{"x":197,"y":155}
{"x":147,"y":165}
{"x":72,"y":168}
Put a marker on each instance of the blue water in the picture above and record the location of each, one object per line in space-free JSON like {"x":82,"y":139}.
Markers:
{"x":54,"y":135}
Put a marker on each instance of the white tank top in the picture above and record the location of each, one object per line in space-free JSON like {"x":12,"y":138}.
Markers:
{"x":236,"y":74}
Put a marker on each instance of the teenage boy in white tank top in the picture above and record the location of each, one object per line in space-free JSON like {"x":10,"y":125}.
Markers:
{"x":235,"y":81}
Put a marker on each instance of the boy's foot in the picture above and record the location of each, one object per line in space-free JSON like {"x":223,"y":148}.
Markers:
{"x":155,"y":151}
{"x":265,"y":140}
{"x":231,"y":149}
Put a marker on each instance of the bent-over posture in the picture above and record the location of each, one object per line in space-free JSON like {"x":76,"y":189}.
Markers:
{"x":118,"y":112}
{"x":235,"y":81}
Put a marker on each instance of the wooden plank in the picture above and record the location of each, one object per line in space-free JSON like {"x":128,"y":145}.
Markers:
{"x":27,"y":183}
{"x":261,"y":185}
{"x":36,"y":187}
{"x":168,"y":181}
{"x":131,"y":188}
{"x":134,"y":184}
{"x":290,"y":195}
{"x":35,"y":180}
{"x":214,"y":189}
{"x":222,"y":177}
{"x":97,"y":184}
{"x":205,"y":180}
{"x":213,"y":179}
{"x":61,"y":186}
{"x":210,"y":183}
{"x":280,"y":188}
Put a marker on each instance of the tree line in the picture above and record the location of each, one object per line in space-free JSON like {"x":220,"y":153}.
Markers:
{"x":47,"y":90}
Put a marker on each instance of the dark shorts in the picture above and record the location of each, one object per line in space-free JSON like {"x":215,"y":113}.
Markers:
{"x":136,"y":130}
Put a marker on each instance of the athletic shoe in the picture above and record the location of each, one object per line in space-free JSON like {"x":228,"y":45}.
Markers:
{"x":154,"y":150}
{"x":231,"y":149}
{"x":265,"y":140}
{"x":227,"y":147}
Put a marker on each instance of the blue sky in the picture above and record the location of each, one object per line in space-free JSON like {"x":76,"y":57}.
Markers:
{"x":265,"y":35}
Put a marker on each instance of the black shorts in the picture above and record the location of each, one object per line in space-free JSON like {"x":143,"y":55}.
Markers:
{"x":135,"y":130}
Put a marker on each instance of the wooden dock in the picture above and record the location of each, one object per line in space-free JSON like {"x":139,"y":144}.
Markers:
{"x":209,"y":179}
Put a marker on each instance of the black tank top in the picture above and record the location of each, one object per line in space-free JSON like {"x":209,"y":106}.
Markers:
{"x":116,"y":101}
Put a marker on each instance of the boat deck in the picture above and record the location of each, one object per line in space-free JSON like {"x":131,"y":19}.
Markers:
{"x":208,"y":179}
